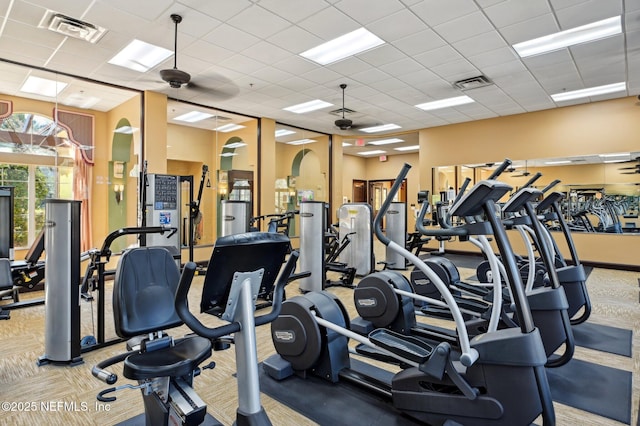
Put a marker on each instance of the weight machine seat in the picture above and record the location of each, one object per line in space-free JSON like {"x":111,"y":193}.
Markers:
{"x":144,"y":288}
{"x":6,"y":280}
{"x":173,"y":361}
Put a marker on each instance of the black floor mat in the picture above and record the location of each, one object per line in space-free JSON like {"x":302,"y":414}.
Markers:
{"x":332,"y":404}
{"x":603,"y":338}
{"x":601,"y":390}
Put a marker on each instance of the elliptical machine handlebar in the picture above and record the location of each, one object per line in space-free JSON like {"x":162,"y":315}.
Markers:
{"x":469,"y":355}
{"x":551,"y":185}
{"x":501,"y":168}
{"x":216,"y":333}
{"x":534,"y":178}
{"x":377,"y":222}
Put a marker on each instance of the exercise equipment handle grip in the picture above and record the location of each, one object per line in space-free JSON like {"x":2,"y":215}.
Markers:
{"x":377,"y":222}
{"x":532,"y":180}
{"x":551,"y":185}
{"x":98,"y":371}
{"x":278,"y":292}
{"x":188,"y":318}
{"x":501,"y":168}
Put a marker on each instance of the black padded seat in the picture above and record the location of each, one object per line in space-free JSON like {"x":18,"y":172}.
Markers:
{"x":173,"y":361}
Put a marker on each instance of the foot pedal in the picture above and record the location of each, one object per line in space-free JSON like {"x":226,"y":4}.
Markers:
{"x":406,"y":347}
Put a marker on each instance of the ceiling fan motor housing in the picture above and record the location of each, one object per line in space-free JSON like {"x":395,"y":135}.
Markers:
{"x":175,"y":77}
{"x":343,"y":123}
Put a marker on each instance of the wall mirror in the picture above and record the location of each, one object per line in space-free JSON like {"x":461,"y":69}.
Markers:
{"x":602,"y":191}
{"x":219,"y":150}
{"x":70,"y":138}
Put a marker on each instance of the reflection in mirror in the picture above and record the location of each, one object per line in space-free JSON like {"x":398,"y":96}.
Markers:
{"x":602,"y":191}
{"x":218,"y":149}
{"x":302,"y":170}
{"x":61,"y":137}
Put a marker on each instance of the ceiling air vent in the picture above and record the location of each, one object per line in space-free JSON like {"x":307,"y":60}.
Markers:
{"x":339,"y":111}
{"x":220,"y":118}
{"x":473,"y":83}
{"x":71,"y":27}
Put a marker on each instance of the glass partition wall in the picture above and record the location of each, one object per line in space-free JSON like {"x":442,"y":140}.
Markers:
{"x":65,"y":137}
{"x":302,"y":170}
{"x":219,"y":151}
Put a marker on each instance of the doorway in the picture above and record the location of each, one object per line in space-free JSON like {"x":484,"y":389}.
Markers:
{"x":359,"y":191}
{"x":378,"y":190}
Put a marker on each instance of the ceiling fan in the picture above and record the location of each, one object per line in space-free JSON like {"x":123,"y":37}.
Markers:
{"x":225,"y":88}
{"x":346,"y":123}
{"x":175,"y":77}
{"x":632,"y":169}
{"x":526,"y":172}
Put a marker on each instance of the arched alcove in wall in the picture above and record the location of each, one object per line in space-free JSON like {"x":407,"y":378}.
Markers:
{"x":118,"y":174}
{"x":235,"y":177}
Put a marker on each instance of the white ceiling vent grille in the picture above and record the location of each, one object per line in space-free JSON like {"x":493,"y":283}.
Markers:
{"x":71,"y":27}
{"x":473,"y":83}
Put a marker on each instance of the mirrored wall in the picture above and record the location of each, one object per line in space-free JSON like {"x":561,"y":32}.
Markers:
{"x":64,"y":137}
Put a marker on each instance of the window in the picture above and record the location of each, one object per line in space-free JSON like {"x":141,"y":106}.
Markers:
{"x":34,"y":153}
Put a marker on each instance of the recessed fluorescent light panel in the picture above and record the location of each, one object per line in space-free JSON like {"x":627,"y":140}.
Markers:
{"x":620,"y":160}
{"x":193,"y":116}
{"x":42,"y":86}
{"x":555,"y":163}
{"x":235,"y":145}
{"x":381,"y":128}
{"x":229,"y":127}
{"x":407,"y":148}
{"x":342,"y":47}
{"x":140,"y":56}
{"x":445,"y":103}
{"x":128,"y":130}
{"x":374,"y":152}
{"x":583,"y":34}
{"x":308,"y":106}
{"x":301,"y":141}
{"x":619,"y":154}
{"x":386,"y":141}
{"x":346,"y":144}
{"x":590,"y":91}
{"x":283,"y":132}
{"x":228,"y":154}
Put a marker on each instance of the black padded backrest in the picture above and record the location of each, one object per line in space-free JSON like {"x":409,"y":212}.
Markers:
{"x":246,"y":252}
{"x":144,"y":291}
{"x":6,"y":279}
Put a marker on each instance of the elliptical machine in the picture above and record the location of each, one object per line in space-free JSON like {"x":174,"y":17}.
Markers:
{"x":500,"y":377}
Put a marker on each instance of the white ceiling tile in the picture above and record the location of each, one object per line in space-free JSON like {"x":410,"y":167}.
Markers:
{"x":295,"y":65}
{"x":242,"y":62}
{"x":631,"y":5}
{"x":222,"y":10}
{"x":455,"y":70}
{"x":512,"y":12}
{"x":493,"y":57}
{"x":370,"y":76}
{"x":321,"y":75}
{"x":487,"y":3}
{"x":436,"y":12}
{"x":587,"y":12}
{"x":30,"y":53}
{"x":71,"y":8}
{"x":533,"y":28}
{"x":438,"y":56}
{"x":481,"y":43}
{"x":561,"y":4}
{"x":504,"y":69}
{"x":419,"y":42}
{"x":396,"y":26}
{"x":231,"y":38}
{"x":104,"y":15}
{"x":193,"y":23}
{"x":146,"y":9}
{"x":266,"y":52}
{"x":27,"y":13}
{"x":291,"y":10}
{"x":206,"y":51}
{"x":349,"y":66}
{"x":548,"y":60}
{"x":295,"y":39}
{"x":464,"y":27}
{"x":258,"y":21}
{"x":401,"y":67}
{"x":381,"y":55}
{"x":298,"y":85}
{"x":420,"y":77}
{"x":632,"y":20}
{"x":367,"y":11}
{"x":329,"y":23}
{"x":40,"y":36}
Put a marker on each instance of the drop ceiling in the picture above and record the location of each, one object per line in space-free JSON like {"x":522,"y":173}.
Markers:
{"x":247,"y":54}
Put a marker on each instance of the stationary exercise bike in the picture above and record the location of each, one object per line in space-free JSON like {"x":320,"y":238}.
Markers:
{"x":149,"y":299}
{"x":498,"y":378}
